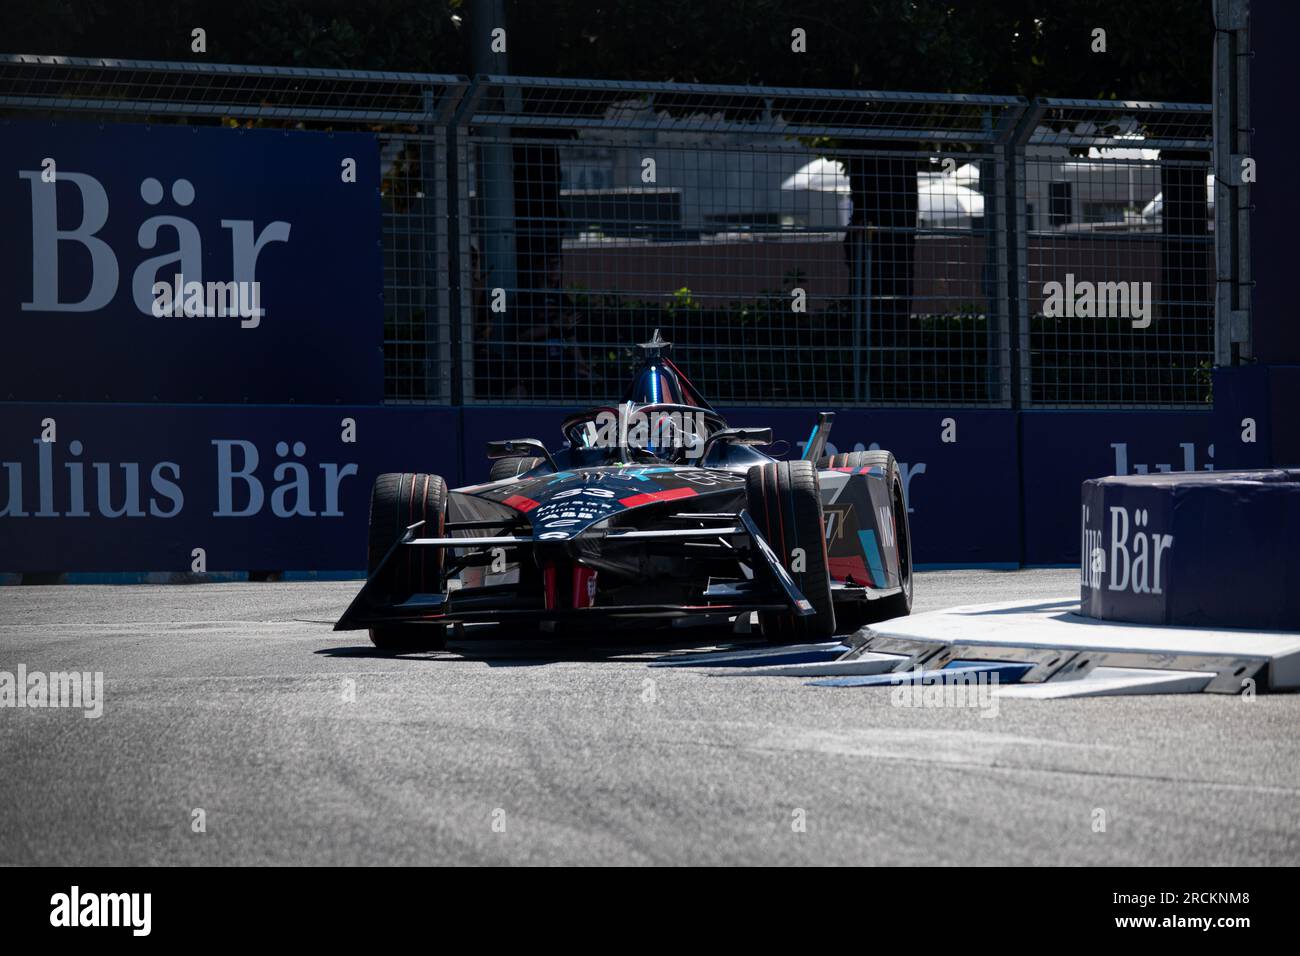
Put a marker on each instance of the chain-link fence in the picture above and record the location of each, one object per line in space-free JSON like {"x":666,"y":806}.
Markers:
{"x":797,"y":246}
{"x":1115,"y":231}
{"x":838,"y":248}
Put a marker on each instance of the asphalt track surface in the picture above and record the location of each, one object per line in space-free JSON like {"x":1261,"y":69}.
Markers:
{"x":231,"y":698}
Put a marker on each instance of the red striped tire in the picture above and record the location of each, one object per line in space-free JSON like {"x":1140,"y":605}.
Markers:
{"x":785,"y":502}
{"x":398,"y":501}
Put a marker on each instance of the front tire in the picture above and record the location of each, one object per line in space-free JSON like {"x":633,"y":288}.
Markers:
{"x":785,"y":502}
{"x":398,"y":501}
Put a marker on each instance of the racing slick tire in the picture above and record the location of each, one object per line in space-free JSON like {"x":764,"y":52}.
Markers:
{"x":398,"y":501}
{"x":855,"y":614}
{"x":511,"y":467}
{"x":785,"y":502}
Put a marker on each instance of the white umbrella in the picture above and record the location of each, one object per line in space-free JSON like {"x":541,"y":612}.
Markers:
{"x":821,"y":175}
{"x":946,"y":201}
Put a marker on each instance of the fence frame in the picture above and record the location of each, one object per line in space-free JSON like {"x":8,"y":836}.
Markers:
{"x":450,"y":108}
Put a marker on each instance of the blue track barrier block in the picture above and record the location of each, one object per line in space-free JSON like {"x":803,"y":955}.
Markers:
{"x":1194,"y":549}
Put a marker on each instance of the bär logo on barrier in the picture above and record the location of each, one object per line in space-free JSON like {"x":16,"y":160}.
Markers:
{"x":1133,"y":561}
{"x":246,"y":244}
{"x":1136,"y":567}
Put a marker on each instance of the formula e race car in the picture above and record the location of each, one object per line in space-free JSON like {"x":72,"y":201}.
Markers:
{"x":653,"y":510}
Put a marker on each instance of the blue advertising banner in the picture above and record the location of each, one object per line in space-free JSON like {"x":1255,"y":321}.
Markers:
{"x":140,"y":487}
{"x":1061,"y":450}
{"x":146,"y":488}
{"x":1255,"y":415}
{"x":189,"y":264}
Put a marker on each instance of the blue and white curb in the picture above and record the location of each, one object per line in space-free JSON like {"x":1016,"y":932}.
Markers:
{"x":761,"y":656}
{"x":1041,"y":649}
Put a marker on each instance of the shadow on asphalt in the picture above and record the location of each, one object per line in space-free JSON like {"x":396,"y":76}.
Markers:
{"x":504,"y":649}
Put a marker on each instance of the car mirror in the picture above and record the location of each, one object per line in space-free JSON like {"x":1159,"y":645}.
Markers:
{"x":517,"y":448}
{"x":738,"y":436}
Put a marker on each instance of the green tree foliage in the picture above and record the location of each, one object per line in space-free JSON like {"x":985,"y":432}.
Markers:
{"x":1155,"y":49}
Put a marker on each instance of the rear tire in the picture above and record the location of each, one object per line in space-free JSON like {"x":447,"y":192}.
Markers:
{"x":398,"y":501}
{"x":853,"y":615}
{"x":785,"y":502}
{"x":511,"y":467}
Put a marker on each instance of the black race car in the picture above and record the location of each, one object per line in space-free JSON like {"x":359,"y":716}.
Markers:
{"x":653,"y":509}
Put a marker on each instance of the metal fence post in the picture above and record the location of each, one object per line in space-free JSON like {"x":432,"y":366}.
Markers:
{"x":1232,"y":326}
{"x":861,"y":293}
{"x":446,"y":227}
{"x":1002,"y":231}
{"x":433,"y":239}
{"x":460,"y":264}
{"x":1017,"y":273}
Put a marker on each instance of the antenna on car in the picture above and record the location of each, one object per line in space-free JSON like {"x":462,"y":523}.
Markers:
{"x":656,"y":346}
